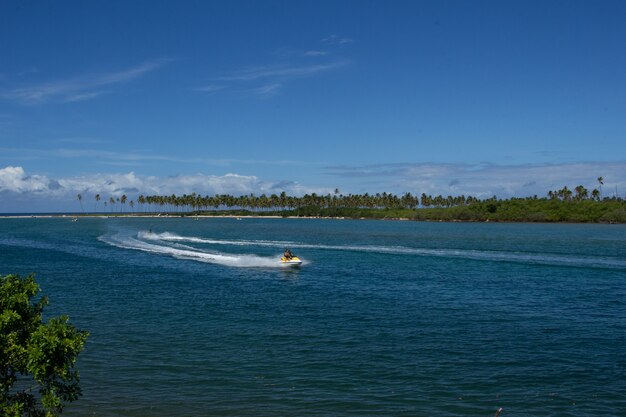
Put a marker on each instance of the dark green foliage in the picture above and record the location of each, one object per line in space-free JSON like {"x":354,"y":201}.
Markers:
{"x":562,"y":205}
{"x":36,"y":356}
{"x":513,"y":210}
{"x":531,"y":210}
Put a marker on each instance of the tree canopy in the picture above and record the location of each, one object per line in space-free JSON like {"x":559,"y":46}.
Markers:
{"x":562,"y":205}
{"x":37,"y":374}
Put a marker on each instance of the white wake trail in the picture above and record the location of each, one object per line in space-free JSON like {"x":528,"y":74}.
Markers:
{"x":244,"y":260}
{"x":483,"y":255}
{"x":171,"y":237}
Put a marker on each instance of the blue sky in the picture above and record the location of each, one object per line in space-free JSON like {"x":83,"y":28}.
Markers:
{"x":453,"y":97}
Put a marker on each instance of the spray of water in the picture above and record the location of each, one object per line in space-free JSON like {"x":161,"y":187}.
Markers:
{"x":146,"y":243}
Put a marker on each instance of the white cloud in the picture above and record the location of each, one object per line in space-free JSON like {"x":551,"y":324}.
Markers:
{"x":131,"y":73}
{"x":22,"y":191}
{"x":81,"y":140}
{"x":83,"y":96}
{"x":15,"y":179}
{"x":61,"y":192}
{"x":77,"y":89}
{"x":315,"y":53}
{"x":336,"y":40}
{"x":128,"y":158}
{"x":281,"y":71}
{"x":267,"y":90}
{"x":484,"y":180}
{"x":210,"y":88}
{"x":264,"y":80}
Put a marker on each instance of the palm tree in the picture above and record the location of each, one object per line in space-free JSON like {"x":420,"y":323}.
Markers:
{"x":595,"y":194}
{"x":80,"y":200}
{"x":581,"y":192}
{"x":566,"y":193}
{"x":601,"y":181}
{"x":141,"y":199}
{"x":282,"y":200}
{"x":96,"y":203}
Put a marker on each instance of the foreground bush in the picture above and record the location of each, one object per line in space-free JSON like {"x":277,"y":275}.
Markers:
{"x":37,"y":375}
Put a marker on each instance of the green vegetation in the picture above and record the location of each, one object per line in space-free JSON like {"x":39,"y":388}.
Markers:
{"x":562,"y":205}
{"x":514,"y":210}
{"x":37,"y":374}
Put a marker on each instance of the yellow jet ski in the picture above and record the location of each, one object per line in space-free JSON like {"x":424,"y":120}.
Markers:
{"x":292,"y":261}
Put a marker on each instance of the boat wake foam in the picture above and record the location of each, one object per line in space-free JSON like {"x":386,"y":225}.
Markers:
{"x":123,"y":241}
{"x":483,"y":255}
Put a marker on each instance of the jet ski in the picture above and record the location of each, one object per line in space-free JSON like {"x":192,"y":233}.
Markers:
{"x":293,"y":261}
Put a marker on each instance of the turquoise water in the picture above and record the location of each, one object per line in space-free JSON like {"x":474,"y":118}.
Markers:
{"x":196,"y":318}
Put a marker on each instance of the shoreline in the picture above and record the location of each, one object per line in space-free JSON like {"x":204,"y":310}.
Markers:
{"x":240,"y":217}
{"x":161,"y":216}
{"x":107,"y":216}
{"x":527,"y":210}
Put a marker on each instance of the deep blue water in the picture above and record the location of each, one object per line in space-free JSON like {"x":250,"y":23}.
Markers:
{"x":195,"y":318}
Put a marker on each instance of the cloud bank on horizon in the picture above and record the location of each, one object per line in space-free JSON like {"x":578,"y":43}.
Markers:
{"x":21,"y":191}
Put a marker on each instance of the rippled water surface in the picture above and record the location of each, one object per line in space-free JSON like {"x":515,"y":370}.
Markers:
{"x":197,"y":317}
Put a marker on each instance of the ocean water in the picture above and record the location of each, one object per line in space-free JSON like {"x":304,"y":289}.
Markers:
{"x":197,"y":318}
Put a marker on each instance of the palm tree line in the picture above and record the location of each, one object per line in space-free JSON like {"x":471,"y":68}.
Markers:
{"x":195,"y":202}
{"x":578,"y":194}
{"x":111,"y":202}
{"x":280,"y":202}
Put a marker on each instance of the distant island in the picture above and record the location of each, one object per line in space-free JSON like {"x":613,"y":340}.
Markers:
{"x":564,"y":205}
